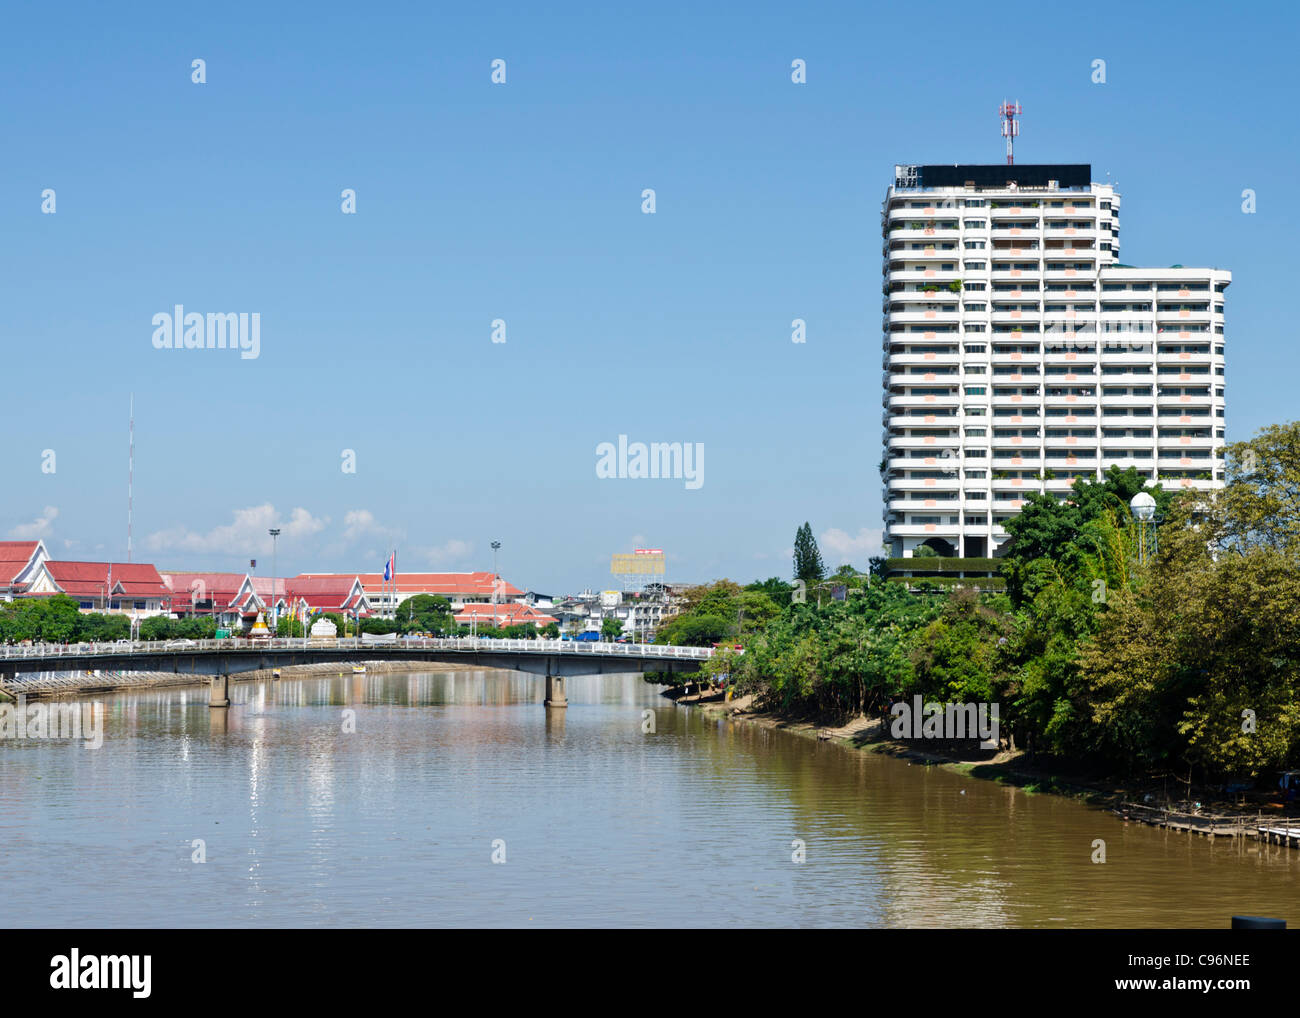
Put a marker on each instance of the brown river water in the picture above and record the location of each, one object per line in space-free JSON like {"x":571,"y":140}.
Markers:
{"x":457,"y":800}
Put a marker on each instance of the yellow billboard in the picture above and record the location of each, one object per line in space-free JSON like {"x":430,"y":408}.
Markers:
{"x":644,"y":562}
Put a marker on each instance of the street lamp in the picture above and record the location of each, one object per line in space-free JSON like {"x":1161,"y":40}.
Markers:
{"x":275,"y":608}
{"x":496,"y":547}
{"x":1143,"y":507}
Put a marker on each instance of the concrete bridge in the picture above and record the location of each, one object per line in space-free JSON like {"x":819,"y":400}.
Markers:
{"x":219,"y":659}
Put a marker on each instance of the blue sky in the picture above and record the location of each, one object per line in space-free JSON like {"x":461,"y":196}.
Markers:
{"x":522,"y":202}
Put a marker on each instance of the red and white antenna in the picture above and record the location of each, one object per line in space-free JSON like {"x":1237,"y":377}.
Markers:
{"x":1010,"y":128}
{"x":130,"y":480}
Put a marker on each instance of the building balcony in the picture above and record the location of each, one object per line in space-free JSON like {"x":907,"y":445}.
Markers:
{"x":1184,"y":443}
{"x":1172,"y":319}
{"x":903,"y":400}
{"x":1070,"y":398}
{"x":1128,"y":442}
{"x":946,"y":530}
{"x":922,"y":359}
{"x":949,"y":505}
{"x":936,"y":211}
{"x":918,"y":376}
{"x":904,"y":442}
{"x":1059,"y":231}
{"x":1084,"y":358}
{"x":1182,"y":463}
{"x":939,"y":295}
{"x":1012,"y":317}
{"x":898,"y":232}
{"x":945,"y":316}
{"x":1112,"y":353}
{"x":1193,"y":483}
{"x":1196,"y":358}
{"x":925,"y":485}
{"x":1203,"y":399}
{"x":1088,"y":441}
{"x":1028,"y":358}
{"x":1028,"y":443}
{"x":935,"y":462}
{"x":942,"y":277}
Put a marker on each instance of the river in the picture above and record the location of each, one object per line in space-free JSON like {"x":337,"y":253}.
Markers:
{"x":590,"y":820}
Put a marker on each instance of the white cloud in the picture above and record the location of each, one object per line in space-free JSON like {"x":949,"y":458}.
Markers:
{"x":451,"y":552}
{"x":40,"y":527}
{"x":839,"y":547}
{"x":248,"y":531}
{"x":362,"y":523}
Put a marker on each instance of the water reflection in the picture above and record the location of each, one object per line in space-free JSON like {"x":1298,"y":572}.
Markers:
{"x":376,"y":799}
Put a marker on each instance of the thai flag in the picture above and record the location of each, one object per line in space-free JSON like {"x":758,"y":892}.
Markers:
{"x":390,"y":567}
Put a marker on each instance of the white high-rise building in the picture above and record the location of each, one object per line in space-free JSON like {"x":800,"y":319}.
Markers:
{"x":1019,"y":353}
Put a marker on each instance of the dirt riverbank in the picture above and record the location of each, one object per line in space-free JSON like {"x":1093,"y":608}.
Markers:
{"x":1167,"y":803}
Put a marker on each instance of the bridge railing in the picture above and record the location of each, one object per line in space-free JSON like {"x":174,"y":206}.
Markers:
{"x":244,"y":645}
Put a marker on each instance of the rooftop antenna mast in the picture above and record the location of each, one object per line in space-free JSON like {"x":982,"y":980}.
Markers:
{"x":130,"y":477}
{"x":1010,"y":127}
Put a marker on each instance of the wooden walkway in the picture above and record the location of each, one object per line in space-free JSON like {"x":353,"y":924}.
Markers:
{"x":1280,"y":835}
{"x":1208,"y":825}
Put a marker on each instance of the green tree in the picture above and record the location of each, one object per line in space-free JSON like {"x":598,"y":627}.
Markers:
{"x":1260,"y":505}
{"x":808,"y":565}
{"x":424,"y":613}
{"x":288,"y":626}
{"x":778,"y":591}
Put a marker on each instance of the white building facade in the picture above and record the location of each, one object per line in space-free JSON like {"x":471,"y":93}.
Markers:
{"x":1020,"y":353}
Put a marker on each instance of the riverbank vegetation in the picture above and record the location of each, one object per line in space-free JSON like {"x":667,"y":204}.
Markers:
{"x":57,"y":619}
{"x":1186,"y":663}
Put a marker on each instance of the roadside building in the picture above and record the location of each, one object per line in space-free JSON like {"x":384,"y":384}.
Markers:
{"x":511,"y":613}
{"x":19,"y":561}
{"x":295,"y":596}
{"x":128,"y":588}
{"x":340,"y":594}
{"x":458,"y":588}
{"x":206,"y":595}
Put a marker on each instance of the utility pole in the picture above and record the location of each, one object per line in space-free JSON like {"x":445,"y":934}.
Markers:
{"x":496,"y":546}
{"x":275,"y":608}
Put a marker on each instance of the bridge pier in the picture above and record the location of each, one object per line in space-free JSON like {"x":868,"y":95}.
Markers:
{"x":219,"y":692}
{"x":555,"y":697}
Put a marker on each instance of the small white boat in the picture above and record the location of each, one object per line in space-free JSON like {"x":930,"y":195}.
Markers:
{"x":358,"y":669}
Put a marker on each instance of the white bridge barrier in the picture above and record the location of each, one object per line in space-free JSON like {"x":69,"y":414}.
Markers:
{"x":54,"y":651}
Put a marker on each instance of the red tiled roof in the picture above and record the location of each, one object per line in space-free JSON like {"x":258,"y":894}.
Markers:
{"x":328,"y":592}
{"x":510,"y":613}
{"x":90,"y":579}
{"x":221,"y":588}
{"x":474,"y":584}
{"x":14,"y":556}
